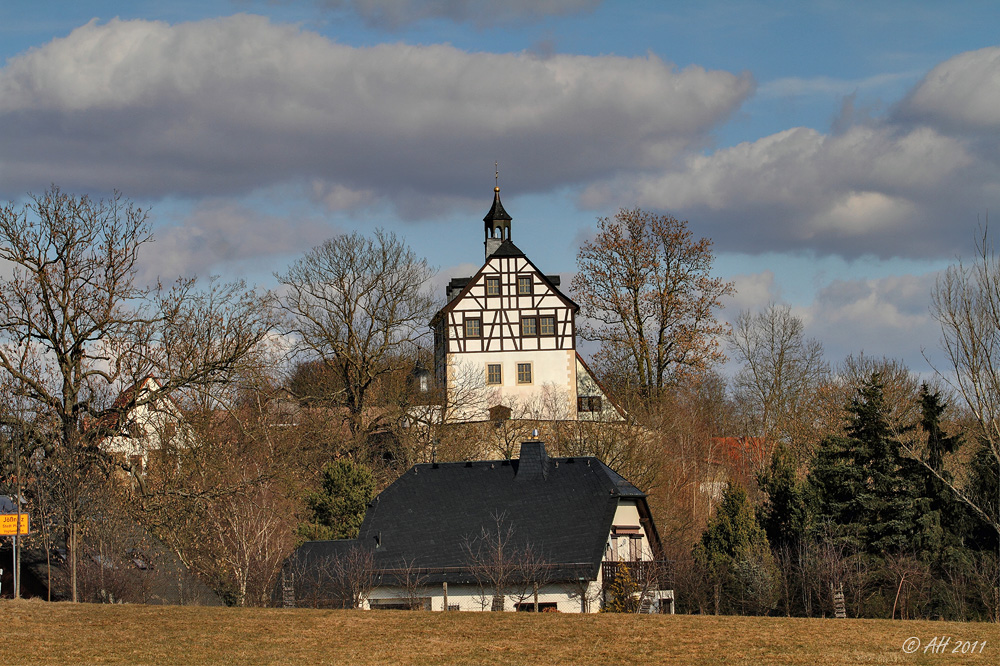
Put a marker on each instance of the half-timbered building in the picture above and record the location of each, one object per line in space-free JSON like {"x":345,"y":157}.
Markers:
{"x":506,"y":339}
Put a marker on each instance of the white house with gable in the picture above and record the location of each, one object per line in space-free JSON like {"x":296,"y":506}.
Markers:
{"x":508,"y":336}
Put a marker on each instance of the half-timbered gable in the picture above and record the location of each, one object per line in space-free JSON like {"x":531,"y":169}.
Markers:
{"x":509,"y":330}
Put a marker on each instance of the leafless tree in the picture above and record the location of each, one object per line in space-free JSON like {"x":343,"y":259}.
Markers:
{"x":502,"y":565}
{"x":354,"y":576}
{"x":412,"y":579}
{"x":532,"y":572}
{"x":781,"y":373}
{"x":966,"y":303}
{"x":76,"y":328}
{"x":359,"y":304}
{"x":345,"y":580}
{"x":644,"y":285}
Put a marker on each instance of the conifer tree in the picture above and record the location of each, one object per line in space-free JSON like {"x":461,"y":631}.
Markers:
{"x":737,"y":557}
{"x":783,"y":515}
{"x":339,"y":506}
{"x":941,"y":519}
{"x":863,"y":486}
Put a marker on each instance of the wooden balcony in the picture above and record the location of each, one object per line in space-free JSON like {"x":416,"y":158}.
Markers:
{"x":648,"y":575}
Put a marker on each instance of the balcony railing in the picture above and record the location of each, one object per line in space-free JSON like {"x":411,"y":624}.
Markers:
{"x":647,"y":574}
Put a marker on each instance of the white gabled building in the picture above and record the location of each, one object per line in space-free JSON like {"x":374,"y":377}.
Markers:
{"x":506,"y":339}
{"x":142,"y":426}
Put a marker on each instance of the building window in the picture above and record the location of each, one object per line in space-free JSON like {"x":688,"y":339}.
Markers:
{"x":588,"y":403}
{"x":492,"y":286}
{"x":473,"y":328}
{"x":529,"y":326}
{"x":494,"y":373}
{"x":523,"y":373}
{"x":546,"y":325}
{"x":524,"y":285}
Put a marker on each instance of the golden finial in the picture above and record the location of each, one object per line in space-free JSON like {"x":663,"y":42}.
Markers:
{"x":497,"y":176}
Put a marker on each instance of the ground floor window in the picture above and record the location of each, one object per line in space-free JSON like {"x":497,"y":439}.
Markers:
{"x":419,"y":603}
{"x":529,"y":607}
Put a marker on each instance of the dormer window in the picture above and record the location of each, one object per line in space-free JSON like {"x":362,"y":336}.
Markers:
{"x":524,"y":285}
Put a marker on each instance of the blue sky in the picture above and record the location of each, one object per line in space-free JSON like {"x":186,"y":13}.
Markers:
{"x":839,"y":154}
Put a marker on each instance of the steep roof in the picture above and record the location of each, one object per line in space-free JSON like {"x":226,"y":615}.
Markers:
{"x":496,"y":211}
{"x":562,"y":507}
{"x":507,"y":249}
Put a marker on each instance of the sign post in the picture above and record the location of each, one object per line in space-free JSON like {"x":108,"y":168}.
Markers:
{"x":15,"y":525}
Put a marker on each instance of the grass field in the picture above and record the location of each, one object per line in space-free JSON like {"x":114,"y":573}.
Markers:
{"x":62,"y":633}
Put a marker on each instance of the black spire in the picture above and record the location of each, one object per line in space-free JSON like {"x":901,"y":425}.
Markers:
{"x":496,"y":224}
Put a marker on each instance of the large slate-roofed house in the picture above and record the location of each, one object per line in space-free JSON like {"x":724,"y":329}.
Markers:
{"x":439,"y":525}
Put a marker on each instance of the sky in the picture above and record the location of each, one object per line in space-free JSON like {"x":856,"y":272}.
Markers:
{"x":838,"y":154}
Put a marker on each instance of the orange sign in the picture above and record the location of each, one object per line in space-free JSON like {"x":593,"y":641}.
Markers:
{"x":8,"y":524}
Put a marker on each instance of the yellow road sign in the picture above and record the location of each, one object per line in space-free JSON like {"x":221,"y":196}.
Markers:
{"x":8,"y":524}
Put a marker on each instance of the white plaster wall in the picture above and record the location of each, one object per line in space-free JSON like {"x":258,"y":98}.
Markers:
{"x":627,"y":515}
{"x":567,"y":597}
{"x":553,"y":375}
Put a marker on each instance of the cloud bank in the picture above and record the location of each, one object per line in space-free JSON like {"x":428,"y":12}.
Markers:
{"x":907,"y":185}
{"x":225,"y":106}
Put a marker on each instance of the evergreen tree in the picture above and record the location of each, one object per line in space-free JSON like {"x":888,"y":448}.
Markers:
{"x":339,"y":506}
{"x":940,"y":517}
{"x":939,"y":444}
{"x":783,"y":515}
{"x":863,"y":486}
{"x":736,"y":555}
{"x":984,"y":488}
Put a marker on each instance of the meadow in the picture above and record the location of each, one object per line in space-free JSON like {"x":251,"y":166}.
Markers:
{"x":64,"y":633}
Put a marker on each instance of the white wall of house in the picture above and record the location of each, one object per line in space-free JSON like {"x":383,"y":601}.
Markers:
{"x":568,"y":597}
{"x":550,"y":395}
{"x":148,"y":427}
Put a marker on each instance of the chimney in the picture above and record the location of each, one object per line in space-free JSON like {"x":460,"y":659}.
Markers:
{"x":533,"y":463}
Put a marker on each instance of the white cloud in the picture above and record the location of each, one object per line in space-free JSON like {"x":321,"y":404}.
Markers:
{"x":219,"y":233}
{"x":961,"y":94}
{"x":882,"y":317}
{"x":233,"y":104}
{"x":873,"y":189}
{"x":753,"y":292}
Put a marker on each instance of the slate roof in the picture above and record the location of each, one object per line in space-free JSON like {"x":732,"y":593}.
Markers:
{"x":562,"y":507}
{"x":507,"y":249}
{"x":496,"y":211}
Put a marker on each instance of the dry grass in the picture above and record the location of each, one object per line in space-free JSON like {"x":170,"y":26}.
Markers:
{"x":63,"y":633}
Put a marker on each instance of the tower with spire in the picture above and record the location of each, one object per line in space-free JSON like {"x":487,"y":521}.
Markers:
{"x":496,"y":224}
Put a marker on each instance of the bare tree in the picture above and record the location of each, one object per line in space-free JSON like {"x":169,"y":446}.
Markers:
{"x":354,"y":576}
{"x":76,"y":328}
{"x":781,"y":374}
{"x":359,"y":304}
{"x":344,"y":580}
{"x":966,"y":303}
{"x":502,"y":565}
{"x":645,"y":286}
{"x":412,"y":579}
